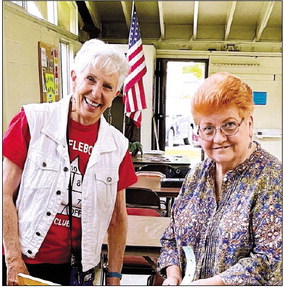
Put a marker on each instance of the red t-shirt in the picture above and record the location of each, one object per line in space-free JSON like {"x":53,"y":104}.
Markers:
{"x":56,"y":247}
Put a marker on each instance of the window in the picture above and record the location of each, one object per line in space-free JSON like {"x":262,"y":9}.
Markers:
{"x":45,"y":10}
{"x":65,"y":67}
{"x":20,"y":3}
{"x":60,"y":13}
{"x":52,"y":12}
{"x":37,"y":9}
{"x":68,"y":16}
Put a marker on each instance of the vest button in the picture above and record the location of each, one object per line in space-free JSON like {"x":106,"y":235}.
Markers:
{"x":30,"y":252}
{"x":37,"y":233}
{"x":44,"y":164}
{"x":65,"y":169}
{"x":58,"y":192}
{"x":48,"y":213}
{"x":109,"y":179}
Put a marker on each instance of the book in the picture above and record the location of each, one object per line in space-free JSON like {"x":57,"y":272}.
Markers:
{"x":28,"y":280}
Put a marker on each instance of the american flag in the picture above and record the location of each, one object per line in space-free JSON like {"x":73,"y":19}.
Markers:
{"x":134,"y":95}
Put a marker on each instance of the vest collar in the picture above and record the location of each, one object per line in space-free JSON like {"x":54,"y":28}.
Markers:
{"x":105,"y":141}
{"x":56,"y":128}
{"x":56,"y":124}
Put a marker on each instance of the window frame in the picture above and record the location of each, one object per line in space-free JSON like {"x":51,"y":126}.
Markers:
{"x":65,"y":70}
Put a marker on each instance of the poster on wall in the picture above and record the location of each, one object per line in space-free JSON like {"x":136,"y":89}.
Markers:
{"x":48,"y":73}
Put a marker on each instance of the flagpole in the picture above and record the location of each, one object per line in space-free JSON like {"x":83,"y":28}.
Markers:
{"x":133,"y":2}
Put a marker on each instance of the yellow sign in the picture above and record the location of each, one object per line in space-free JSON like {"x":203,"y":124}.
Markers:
{"x":50,"y":87}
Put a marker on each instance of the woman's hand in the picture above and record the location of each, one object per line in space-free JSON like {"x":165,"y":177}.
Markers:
{"x":112,"y":281}
{"x":173,"y":275}
{"x":14,"y":267}
{"x":173,"y":280}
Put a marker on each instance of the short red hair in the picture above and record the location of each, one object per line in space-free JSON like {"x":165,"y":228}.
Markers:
{"x":219,"y":91}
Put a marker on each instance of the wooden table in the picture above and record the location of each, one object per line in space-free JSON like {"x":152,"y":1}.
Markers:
{"x":144,"y":234}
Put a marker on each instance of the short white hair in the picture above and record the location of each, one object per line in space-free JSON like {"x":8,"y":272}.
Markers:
{"x":108,"y":58}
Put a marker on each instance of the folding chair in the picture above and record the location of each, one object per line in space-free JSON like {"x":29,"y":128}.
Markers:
{"x":151,"y":180}
{"x":143,"y":198}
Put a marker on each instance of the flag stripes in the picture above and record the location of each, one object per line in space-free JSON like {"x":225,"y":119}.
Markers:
{"x":134,"y":94}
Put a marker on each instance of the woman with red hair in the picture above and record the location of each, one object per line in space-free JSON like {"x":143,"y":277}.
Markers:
{"x":229,"y":207}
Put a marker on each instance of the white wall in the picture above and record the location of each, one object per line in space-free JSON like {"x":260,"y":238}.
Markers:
{"x":263,"y":74}
{"x":21,"y":34}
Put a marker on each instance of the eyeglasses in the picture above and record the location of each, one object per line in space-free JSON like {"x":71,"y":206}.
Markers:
{"x":230,"y":128}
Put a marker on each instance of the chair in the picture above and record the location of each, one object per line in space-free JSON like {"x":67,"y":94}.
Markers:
{"x":155,"y":280}
{"x":150,"y":173}
{"x":166,"y":169}
{"x":142,"y":211}
{"x":150,"y":180}
{"x":181,"y":172}
{"x":143,"y":198}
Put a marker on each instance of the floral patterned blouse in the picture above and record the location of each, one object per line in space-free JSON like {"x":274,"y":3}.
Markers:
{"x":239,"y":237}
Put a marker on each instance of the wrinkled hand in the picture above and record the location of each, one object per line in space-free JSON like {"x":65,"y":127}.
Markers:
{"x":15,"y":267}
{"x":113,"y":281}
{"x":172,"y":281}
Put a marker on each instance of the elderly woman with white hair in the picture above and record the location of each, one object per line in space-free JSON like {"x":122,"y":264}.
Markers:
{"x":64,"y":178}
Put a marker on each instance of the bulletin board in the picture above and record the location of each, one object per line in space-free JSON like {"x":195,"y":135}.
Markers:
{"x":48,"y":73}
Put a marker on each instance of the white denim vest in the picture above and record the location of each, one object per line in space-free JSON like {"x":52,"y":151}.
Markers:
{"x":46,"y":175}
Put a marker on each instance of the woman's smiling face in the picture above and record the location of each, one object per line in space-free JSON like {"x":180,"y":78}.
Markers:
{"x":227,"y":151}
{"x":93,"y":91}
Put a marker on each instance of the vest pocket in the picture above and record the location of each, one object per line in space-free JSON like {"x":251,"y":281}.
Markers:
{"x":41,"y":171}
{"x":106,"y":182}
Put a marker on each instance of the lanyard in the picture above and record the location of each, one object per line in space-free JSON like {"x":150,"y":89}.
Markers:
{"x":70,"y":205}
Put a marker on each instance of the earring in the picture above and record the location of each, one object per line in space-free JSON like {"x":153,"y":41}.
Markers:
{"x":73,"y":104}
{"x":73,"y":99}
{"x":250,"y":144}
{"x":109,"y":116}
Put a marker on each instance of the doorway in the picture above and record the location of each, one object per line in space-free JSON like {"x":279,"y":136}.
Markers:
{"x":176,"y":83}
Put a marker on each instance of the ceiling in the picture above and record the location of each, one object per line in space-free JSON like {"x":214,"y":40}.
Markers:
{"x":188,"y":25}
